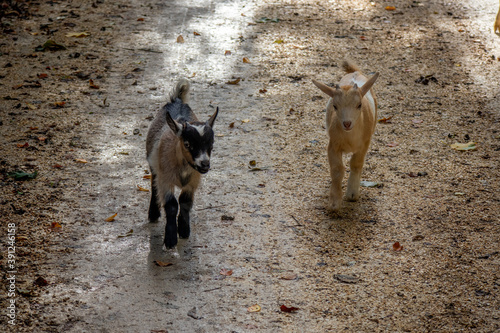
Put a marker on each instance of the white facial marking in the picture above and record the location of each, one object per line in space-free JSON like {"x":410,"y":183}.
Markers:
{"x":203,"y":157}
{"x":200,"y":129}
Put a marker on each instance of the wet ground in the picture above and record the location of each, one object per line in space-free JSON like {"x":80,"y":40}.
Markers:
{"x":260,"y":231}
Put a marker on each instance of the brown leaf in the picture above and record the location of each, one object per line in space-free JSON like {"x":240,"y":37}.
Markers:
{"x":23,"y":145}
{"x":55,"y":226}
{"x":234,"y":81}
{"x":58,"y":166}
{"x":262,"y":91}
{"x":390,"y":8}
{"x":59,"y":104}
{"x":42,"y":138}
{"x":111,"y":218}
{"x":180,"y":39}
{"x":140,"y":19}
{"x":227,"y":53}
{"x":146,"y":177}
{"x":43,"y":76}
{"x":41,"y":282}
{"x":226,"y":272}
{"x":80,"y":160}
{"x":392,"y":144}
{"x":397,"y":247}
{"x":284,"y":308}
{"x":142,"y":189}
{"x":386,"y":120}
{"x":246,"y":60}
{"x":92,"y":85}
{"x":162,"y":263}
{"x":196,"y":33}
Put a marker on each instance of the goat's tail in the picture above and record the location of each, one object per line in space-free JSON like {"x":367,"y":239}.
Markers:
{"x":180,"y":91}
{"x":350,"y":67}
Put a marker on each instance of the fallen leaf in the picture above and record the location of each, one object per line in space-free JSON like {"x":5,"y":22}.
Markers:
{"x":78,"y":34}
{"x":464,"y":146}
{"x":226,"y":272}
{"x":390,"y":8}
{"x":196,"y":34}
{"x":231,"y":125}
{"x":31,"y":106}
{"x":41,"y":282}
{"x":254,"y":308}
{"x":33,"y":128}
{"x":59,"y":104}
{"x":180,"y":39}
{"x":392,"y":144}
{"x":142,"y":189}
{"x":23,"y":145}
{"x":346,"y":278}
{"x":252,"y":163}
{"x":227,"y":53}
{"x":417,"y":238}
{"x":92,"y":85}
{"x":51,"y":46}
{"x":397,"y":247}
{"x":111,"y":218}
{"x":140,"y":19}
{"x":262,"y":91}
{"x":80,"y":160}
{"x":55,"y":226}
{"x":42,"y":76}
{"x":386,"y":120}
{"x":21,"y":175}
{"x":237,"y":81}
{"x":42,"y":138}
{"x":289,"y":276}
{"x":58,"y":166}
{"x":244,"y":121}
{"x":279,"y":41}
{"x":146,"y":177}
{"x":285,"y":308}
{"x":162,"y":263}
{"x":246,"y":60}
{"x":366,"y":183}
{"x":129,"y":233}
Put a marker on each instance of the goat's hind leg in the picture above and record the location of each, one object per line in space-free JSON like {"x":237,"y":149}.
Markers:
{"x":154,"y":207}
{"x":171,"y":208}
{"x":185,"y":203}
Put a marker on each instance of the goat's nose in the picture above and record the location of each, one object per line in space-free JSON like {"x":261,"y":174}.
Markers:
{"x":205,"y":164}
{"x":347,"y":124}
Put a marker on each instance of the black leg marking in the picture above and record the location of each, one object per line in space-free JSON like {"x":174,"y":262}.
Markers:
{"x":154,"y":208}
{"x":171,"y":208}
{"x":185,"y":202}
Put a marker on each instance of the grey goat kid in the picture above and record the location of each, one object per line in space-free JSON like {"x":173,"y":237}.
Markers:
{"x":178,"y":151}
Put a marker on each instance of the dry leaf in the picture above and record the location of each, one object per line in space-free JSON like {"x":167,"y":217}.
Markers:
{"x":464,"y":146}
{"x":244,"y":121}
{"x":129,"y":233}
{"x":234,"y":82}
{"x":254,"y":308}
{"x":397,"y":247}
{"x":279,"y":41}
{"x":58,"y":166}
{"x":289,"y":276}
{"x":31,"y":106}
{"x":262,"y":91}
{"x":55,"y":226}
{"x":162,"y":263}
{"x":226,"y":272}
{"x":246,"y":60}
{"x":59,"y":104}
{"x":288,"y":309}
{"x":146,"y":177}
{"x":196,"y":34}
{"x":111,"y":218}
{"x":43,"y":76}
{"x":140,"y":19}
{"x":386,"y":120}
{"x":142,"y":189}
{"x":41,"y":282}
{"x":81,"y":160}
{"x":78,"y":34}
{"x":42,"y":138}
{"x":23,"y":145}
{"x":180,"y":39}
{"x":392,"y":144}
{"x":227,"y":53}
{"x":390,"y":8}
{"x":92,"y":85}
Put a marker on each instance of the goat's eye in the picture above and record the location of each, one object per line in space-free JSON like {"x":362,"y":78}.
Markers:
{"x":359,"y":106}
{"x":186,"y":144}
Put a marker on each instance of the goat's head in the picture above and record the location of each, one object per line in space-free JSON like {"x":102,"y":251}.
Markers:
{"x":347,"y":100}
{"x":197,"y":139}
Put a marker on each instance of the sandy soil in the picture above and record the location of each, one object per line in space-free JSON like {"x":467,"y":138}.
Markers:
{"x":265,"y":221}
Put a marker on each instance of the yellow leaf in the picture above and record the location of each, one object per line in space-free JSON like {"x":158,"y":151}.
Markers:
{"x":246,"y":60}
{"x":142,"y":189}
{"x":55,"y":226}
{"x":244,"y":121}
{"x":80,"y":160}
{"x":31,"y":106}
{"x":78,"y":34}
{"x":180,"y":39}
{"x":111,"y":218}
{"x":254,"y":308}
{"x":464,"y":146}
{"x":279,"y":41}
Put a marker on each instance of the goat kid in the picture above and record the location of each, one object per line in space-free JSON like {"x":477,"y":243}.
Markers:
{"x":496,"y":25}
{"x":350,"y":122}
{"x":178,"y":151}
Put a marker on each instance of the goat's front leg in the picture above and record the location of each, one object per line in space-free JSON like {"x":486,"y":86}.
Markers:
{"x":337,"y":173}
{"x":185,"y":203}
{"x":154,"y":208}
{"x":356,"y":164}
{"x":171,"y":208}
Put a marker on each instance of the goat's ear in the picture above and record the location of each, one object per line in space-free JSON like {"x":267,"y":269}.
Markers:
{"x":174,"y":126}
{"x":211,"y":121}
{"x":366,"y":87}
{"x":324,"y":88}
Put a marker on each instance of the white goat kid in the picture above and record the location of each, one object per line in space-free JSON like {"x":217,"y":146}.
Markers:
{"x":178,"y":151}
{"x":351,"y":116}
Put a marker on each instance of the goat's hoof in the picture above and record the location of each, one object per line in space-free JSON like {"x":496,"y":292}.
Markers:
{"x":184,"y":233}
{"x":170,"y":242}
{"x":334,"y":206}
{"x":352,"y":197}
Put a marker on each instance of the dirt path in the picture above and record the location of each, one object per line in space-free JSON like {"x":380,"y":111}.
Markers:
{"x":264,"y":222}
